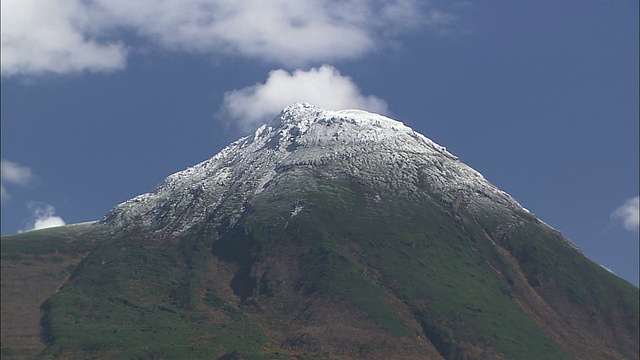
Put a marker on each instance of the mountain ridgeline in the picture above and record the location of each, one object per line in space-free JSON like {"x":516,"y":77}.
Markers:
{"x":325,"y":234}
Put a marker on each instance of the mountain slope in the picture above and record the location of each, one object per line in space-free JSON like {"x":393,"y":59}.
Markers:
{"x":336,"y":234}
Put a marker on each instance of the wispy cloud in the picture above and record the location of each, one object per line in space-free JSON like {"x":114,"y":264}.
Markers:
{"x":323,"y":86}
{"x":13,"y":173}
{"x":628,"y":214}
{"x":64,"y":36}
{"x":43,"y":216}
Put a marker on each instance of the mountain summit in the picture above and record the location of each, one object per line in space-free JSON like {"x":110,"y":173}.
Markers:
{"x":327,"y":234}
{"x":378,"y":152}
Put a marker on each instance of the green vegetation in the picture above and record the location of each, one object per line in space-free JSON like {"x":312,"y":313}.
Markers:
{"x":546,"y":254}
{"x":69,"y":240}
{"x":127,"y":300}
{"x":421,"y":256}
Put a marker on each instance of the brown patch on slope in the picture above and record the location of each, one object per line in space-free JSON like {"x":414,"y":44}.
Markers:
{"x":590,"y":343}
{"x":27,"y":281}
{"x":604,"y":331}
{"x":302,"y":322}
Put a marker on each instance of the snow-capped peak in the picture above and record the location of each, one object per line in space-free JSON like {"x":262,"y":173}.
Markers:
{"x":373,"y":149}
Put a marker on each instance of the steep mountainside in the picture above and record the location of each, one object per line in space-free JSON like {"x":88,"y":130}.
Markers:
{"x":333,"y":234}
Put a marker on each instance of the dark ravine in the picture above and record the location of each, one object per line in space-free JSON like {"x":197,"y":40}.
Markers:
{"x":323,"y":235}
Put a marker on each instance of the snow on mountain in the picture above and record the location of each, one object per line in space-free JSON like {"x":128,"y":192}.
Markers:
{"x":374,"y":150}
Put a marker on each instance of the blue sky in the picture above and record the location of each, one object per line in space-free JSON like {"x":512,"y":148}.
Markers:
{"x":103,"y":99}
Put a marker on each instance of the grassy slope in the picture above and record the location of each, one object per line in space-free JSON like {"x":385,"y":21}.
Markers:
{"x":521,"y":291}
{"x":587,"y":295}
{"x":131,"y":300}
{"x":123,"y":300}
{"x":440,"y":268}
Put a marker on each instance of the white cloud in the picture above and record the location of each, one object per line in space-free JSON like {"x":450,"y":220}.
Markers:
{"x":278,"y":30}
{"x":13,"y":173}
{"x":43,"y":216}
{"x":47,"y":222}
{"x":16,"y":174}
{"x":64,"y":36}
{"x":628,"y":213}
{"x":324,"y":87}
{"x":53,"y":36}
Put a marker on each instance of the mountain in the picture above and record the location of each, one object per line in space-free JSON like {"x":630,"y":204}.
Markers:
{"x":325,"y":234}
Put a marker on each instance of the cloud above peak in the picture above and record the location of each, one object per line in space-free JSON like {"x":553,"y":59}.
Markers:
{"x":324,"y":86}
{"x":66,"y":36}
